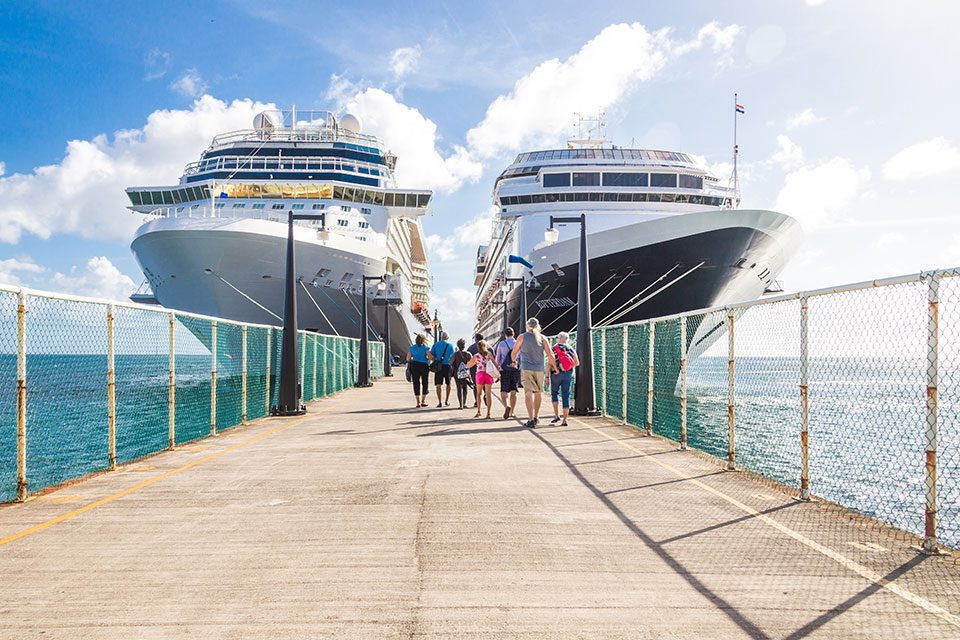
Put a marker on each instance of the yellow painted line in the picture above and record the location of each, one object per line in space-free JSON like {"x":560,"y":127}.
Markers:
{"x":839,"y":558}
{"x":60,"y":499}
{"x":146,"y":483}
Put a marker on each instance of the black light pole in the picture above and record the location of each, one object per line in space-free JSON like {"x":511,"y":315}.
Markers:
{"x":503,"y":329}
{"x":386,"y":341}
{"x":289,"y":403}
{"x":523,"y":303}
{"x":585,"y":402}
{"x":363,"y":372}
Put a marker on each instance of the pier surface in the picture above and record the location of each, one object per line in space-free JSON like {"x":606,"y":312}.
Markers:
{"x":370,"y":519}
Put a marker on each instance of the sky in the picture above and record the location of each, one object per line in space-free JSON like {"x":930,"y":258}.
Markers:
{"x":850,"y":122}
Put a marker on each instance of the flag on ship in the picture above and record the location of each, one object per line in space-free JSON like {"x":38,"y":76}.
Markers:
{"x":739,"y":108}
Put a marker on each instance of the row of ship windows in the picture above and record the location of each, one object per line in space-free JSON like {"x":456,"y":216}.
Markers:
{"x":175,"y":196}
{"x":277,"y":164}
{"x":295,"y":207}
{"x":603,"y":154}
{"x":613,"y":196}
{"x":622,"y":179}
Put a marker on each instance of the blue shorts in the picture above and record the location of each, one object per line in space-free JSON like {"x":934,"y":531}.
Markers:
{"x":560,"y":384}
{"x":509,"y":380}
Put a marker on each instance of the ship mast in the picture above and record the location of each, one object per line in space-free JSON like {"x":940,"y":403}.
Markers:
{"x":735,"y":178}
{"x":594,"y":124}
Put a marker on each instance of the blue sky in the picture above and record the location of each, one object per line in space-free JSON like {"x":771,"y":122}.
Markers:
{"x":850,"y":122}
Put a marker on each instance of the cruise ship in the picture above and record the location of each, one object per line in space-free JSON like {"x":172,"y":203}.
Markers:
{"x":664,"y":236}
{"x":215,"y":242}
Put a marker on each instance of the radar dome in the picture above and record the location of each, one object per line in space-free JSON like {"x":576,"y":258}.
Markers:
{"x":352,"y":123}
{"x":265,"y":121}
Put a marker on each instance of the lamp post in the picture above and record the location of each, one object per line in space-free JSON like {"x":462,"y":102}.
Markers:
{"x":288,"y":403}
{"x":523,"y":303}
{"x":387,"y":372}
{"x":363,"y":372}
{"x":503,"y":329}
{"x":585,"y":402}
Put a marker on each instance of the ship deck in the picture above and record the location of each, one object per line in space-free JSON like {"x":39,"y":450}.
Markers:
{"x":370,"y":519}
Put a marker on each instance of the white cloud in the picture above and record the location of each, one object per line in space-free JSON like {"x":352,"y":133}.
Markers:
{"x":413,"y":137}
{"x":929,"y":158}
{"x":156,"y":64}
{"x":891,"y":239}
{"x":404,"y":60}
{"x":11,"y":270}
{"x":190,"y":84}
{"x":83,"y":194}
{"x":440,"y":249}
{"x":455,"y":308}
{"x":803,"y":119}
{"x":98,"y":279}
{"x":720,"y":38}
{"x":788,"y":155}
{"x":604,"y":71}
{"x":468,"y":234}
{"x":812,"y":194}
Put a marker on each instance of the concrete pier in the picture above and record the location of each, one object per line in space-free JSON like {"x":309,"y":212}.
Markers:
{"x":368,"y":518}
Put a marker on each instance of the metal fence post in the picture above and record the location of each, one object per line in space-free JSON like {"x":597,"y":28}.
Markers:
{"x":267,"y":373}
{"x":111,"y":395}
{"x":652,"y":335}
{"x":683,"y":382}
{"x":804,"y":400}
{"x":930,"y":475}
{"x":623,"y":393}
{"x":172,"y":402}
{"x":21,"y":397}
{"x":603,"y":370}
{"x":731,"y":450}
{"x":213,"y":378}
{"x":243,"y":374}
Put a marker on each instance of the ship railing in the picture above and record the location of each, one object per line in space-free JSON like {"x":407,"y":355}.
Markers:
{"x":291,"y":163}
{"x":847,"y":395}
{"x":302,"y":133}
{"x":92,"y":384}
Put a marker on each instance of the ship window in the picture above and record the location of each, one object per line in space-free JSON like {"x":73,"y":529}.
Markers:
{"x":364,"y":225}
{"x":346,"y":209}
{"x":277,"y":206}
{"x":690,"y":182}
{"x":338,"y":193}
{"x":551,"y":197}
{"x":365,"y":210}
{"x":297,"y":206}
{"x":239,"y":205}
{"x":682,"y":197}
{"x":378,"y":198}
{"x":342,"y":222}
{"x":625,"y":197}
{"x":625,"y":179}
{"x":537,"y":198}
{"x":580,"y":197}
{"x":586,"y":179}
{"x":663,"y":180}
{"x":177,"y":197}
{"x":259,"y":206}
{"x":668,"y":197}
{"x":388,"y":200}
{"x":639,"y":197}
{"x":609,"y":197}
{"x":167,"y":197}
{"x":556,"y":180}
{"x":135,"y":197}
{"x":653,"y":197}
{"x":318,"y":206}
{"x":696,"y":199}
{"x":220,"y":205}
{"x":423,"y":200}
{"x":595,"y":197}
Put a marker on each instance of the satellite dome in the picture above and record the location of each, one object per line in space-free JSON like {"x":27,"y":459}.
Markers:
{"x":351,"y":123}
{"x":265,"y":121}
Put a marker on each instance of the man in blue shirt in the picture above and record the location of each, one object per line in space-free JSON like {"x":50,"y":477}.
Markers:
{"x":509,"y":374}
{"x":442,"y":351}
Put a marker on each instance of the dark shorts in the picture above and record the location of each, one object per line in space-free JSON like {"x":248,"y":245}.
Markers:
{"x":509,"y":380}
{"x":443,"y":375}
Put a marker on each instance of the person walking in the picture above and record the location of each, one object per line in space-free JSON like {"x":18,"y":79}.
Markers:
{"x":473,"y":350}
{"x":509,"y":374}
{"x":418,"y":360}
{"x":442,"y":352}
{"x":567,"y":360}
{"x":531,"y":347}
{"x":461,"y":372}
{"x":486,"y":367}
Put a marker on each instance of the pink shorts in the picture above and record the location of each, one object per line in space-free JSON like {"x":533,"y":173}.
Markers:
{"x":484,"y":378}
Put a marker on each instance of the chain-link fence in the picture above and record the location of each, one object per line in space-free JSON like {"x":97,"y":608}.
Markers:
{"x":86,"y":385}
{"x":850,"y":394}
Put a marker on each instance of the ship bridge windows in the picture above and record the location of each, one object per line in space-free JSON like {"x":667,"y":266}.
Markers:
{"x":691,"y":182}
{"x":556,"y":180}
{"x":169,"y":196}
{"x":624,"y":179}
{"x":591,"y":179}
{"x":663,"y":180}
{"x":613,"y":196}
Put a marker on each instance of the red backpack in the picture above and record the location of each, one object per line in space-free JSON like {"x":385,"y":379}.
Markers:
{"x":563,"y":358}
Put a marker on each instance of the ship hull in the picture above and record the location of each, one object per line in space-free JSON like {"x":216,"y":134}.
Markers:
{"x":235,"y":269}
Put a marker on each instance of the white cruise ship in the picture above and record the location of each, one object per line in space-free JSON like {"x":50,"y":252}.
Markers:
{"x":664,"y":236}
{"x":215,"y":242}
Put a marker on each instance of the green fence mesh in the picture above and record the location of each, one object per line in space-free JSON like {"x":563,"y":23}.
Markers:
{"x":66,"y":352}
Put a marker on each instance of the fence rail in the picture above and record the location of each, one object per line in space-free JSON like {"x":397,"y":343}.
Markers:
{"x":87,"y":384}
{"x":850,"y":394}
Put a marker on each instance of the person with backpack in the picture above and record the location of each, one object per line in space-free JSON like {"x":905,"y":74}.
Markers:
{"x":529,"y":350}
{"x":461,"y":372}
{"x":509,"y":374}
{"x":442,"y":353}
{"x":487,"y":373}
{"x":567,"y":360}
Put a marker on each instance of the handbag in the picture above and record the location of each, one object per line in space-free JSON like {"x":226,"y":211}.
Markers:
{"x":491,"y":370}
{"x":438,"y":362}
{"x":409,"y":374}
